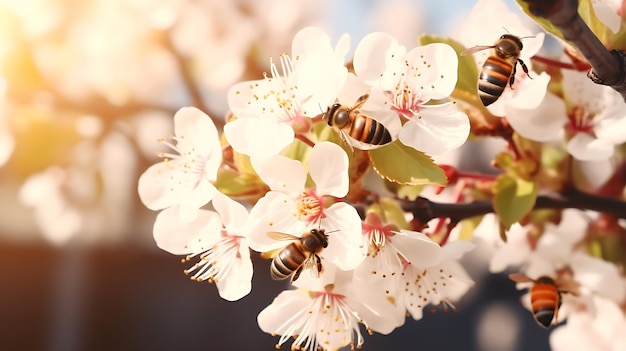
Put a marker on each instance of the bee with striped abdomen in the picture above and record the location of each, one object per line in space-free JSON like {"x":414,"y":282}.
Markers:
{"x":363,"y":131}
{"x":301,"y":254}
{"x":545,"y":296}
{"x":499,"y":68}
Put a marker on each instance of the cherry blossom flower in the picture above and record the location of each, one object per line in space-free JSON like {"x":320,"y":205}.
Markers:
{"x":602,"y":331}
{"x":319,"y":315}
{"x":184,"y":179}
{"x":486,"y":22}
{"x":216,"y":239}
{"x":413,"y":82}
{"x":413,"y":272}
{"x":297,"y":86}
{"x":592,"y":117}
{"x":292,"y":207}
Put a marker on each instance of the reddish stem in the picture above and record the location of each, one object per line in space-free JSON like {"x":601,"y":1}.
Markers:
{"x":560,"y":64}
{"x":304,"y":139}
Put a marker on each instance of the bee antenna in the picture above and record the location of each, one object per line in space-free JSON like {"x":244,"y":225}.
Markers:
{"x":333,"y":231}
{"x":526,"y":37}
{"x":321,"y":109}
{"x":506,"y":30}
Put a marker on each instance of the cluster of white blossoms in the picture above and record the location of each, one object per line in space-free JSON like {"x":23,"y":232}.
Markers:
{"x":591,"y":286}
{"x":373,"y":272}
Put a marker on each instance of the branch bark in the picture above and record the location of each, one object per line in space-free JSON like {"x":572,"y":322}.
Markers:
{"x":608,"y":67}
{"x":424,"y":210}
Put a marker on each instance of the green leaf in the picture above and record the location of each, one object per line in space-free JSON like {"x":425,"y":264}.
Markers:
{"x":514,"y":198}
{"x":401,"y":164}
{"x":468,"y":226}
{"x":233,"y":183}
{"x":467,"y":71}
{"x":409,"y":192}
{"x":393,"y":213}
{"x":544,"y":23}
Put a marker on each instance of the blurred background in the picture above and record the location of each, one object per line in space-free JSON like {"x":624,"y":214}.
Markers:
{"x":86,"y":89}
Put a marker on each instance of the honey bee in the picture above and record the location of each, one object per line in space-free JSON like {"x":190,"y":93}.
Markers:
{"x":499,"y":68}
{"x":363,"y":131}
{"x":545,"y":296}
{"x":301,"y":254}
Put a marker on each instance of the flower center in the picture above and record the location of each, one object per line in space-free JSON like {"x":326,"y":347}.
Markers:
{"x":282,"y":94}
{"x":310,"y":207}
{"x":377,"y":236}
{"x":580,"y":120}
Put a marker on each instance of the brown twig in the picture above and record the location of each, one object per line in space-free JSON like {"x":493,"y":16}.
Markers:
{"x":607,"y":66}
{"x":424,"y":210}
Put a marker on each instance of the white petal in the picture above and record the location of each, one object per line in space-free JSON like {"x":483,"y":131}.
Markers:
{"x":600,"y":276}
{"x":417,"y":248}
{"x":328,"y":166}
{"x":180,"y":238}
{"x":345,"y":248}
{"x":544,"y":123}
{"x":273,"y":212}
{"x":527,"y":93}
{"x":439,"y":130}
{"x":167,"y":184}
{"x":437,"y":64}
{"x":196,"y":131}
{"x":288,"y":303}
{"x":585,"y":147}
{"x":611,"y":128}
{"x":607,"y":12}
{"x":281,"y":173}
{"x":377,"y":53}
{"x":258,"y":137}
{"x":238,"y":283}
{"x":454,"y":250}
{"x":381,"y":313}
{"x":232,"y":213}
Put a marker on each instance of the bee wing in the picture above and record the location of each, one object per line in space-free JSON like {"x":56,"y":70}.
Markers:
{"x":520,"y":278}
{"x":475,"y":49}
{"x":569,"y":287}
{"x":282,"y":236}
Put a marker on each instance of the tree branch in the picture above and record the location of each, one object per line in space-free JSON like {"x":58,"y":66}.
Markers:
{"x":607,"y":66}
{"x":424,"y":210}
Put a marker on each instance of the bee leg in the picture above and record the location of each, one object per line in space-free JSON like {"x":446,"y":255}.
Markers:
{"x":524,"y":67}
{"x":512,"y":79}
{"x":296,"y":275}
{"x":318,"y":260}
{"x":346,"y":141}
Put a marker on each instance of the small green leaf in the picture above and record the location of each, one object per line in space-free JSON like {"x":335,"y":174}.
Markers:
{"x":409,"y":192}
{"x":514,"y":198}
{"x":233,"y":183}
{"x":467,"y":71}
{"x":402,"y":164}
{"x":468,"y":226}
{"x":393,"y":213}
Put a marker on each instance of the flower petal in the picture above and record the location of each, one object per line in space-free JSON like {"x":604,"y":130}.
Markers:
{"x":437,"y":64}
{"x":585,"y":147}
{"x":344,"y":246}
{"x":180,"y":238}
{"x":377,"y":53}
{"x":544,"y":123}
{"x":232,"y":213}
{"x":287,"y":303}
{"x":440,"y":129}
{"x":328,"y":166}
{"x":238,"y":283}
{"x":273,"y":212}
{"x":281,"y":173}
{"x":196,"y":131}
{"x":258,"y":137}
{"x":417,"y":248}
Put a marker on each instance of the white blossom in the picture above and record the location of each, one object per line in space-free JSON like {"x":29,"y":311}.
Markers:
{"x":184,"y":178}
{"x":216,"y":239}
